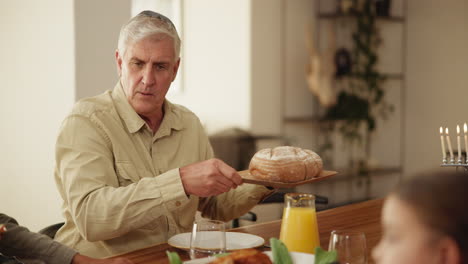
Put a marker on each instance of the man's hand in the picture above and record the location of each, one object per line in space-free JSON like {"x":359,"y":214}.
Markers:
{"x":80,"y":259}
{"x":209,"y":178}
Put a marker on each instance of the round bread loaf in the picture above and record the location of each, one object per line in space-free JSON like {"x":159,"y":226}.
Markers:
{"x":285,"y":164}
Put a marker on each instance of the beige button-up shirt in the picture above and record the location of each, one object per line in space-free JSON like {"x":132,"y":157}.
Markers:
{"x":120,"y":184}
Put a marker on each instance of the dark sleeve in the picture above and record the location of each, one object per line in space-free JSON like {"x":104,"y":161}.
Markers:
{"x":20,"y":242}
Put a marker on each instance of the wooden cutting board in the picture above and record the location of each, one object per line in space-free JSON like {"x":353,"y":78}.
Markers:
{"x":247,"y":178}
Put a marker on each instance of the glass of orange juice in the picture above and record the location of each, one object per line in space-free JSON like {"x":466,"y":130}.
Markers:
{"x":299,"y":230}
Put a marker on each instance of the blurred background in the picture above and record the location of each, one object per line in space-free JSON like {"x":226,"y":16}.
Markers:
{"x":258,"y":73}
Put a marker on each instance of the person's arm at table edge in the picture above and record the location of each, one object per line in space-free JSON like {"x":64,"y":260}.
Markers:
{"x":20,"y":242}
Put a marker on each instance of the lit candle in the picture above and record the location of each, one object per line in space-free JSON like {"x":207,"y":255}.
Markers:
{"x":449,"y":144}
{"x":444,"y":155}
{"x":458,"y":144}
{"x":465,"y":129}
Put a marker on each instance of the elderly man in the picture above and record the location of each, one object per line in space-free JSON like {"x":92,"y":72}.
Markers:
{"x":133,"y":168}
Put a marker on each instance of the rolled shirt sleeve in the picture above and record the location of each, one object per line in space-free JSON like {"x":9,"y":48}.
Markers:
{"x":234,"y":203}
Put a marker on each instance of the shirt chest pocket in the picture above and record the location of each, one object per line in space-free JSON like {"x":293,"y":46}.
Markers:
{"x":127,"y":173}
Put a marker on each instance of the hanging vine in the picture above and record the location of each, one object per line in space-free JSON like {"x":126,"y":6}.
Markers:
{"x":362,"y":101}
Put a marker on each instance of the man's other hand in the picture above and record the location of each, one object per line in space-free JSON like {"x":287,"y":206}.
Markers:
{"x":80,"y":259}
{"x":209,"y":178}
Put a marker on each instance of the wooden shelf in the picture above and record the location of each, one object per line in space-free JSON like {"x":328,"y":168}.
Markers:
{"x":388,"y":76}
{"x":378,"y":171}
{"x":303,"y":119}
{"x":395,"y":76}
{"x":398,"y":19}
{"x":348,"y":175}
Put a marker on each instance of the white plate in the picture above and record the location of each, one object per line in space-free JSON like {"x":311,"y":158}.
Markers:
{"x":234,"y":241}
{"x":297,"y":257}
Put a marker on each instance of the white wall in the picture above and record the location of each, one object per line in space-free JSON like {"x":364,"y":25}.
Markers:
{"x":267,"y":68}
{"x":437,"y":86}
{"x":216,"y":62}
{"x":299,"y":18}
{"x":97,"y":27}
{"x":37,"y":73}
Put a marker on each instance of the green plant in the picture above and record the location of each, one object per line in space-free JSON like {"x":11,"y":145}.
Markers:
{"x":363,"y":100}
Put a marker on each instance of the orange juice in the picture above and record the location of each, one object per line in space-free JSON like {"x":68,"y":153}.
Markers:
{"x":299,"y":231}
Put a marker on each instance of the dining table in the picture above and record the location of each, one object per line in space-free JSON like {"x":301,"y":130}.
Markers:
{"x":362,"y":216}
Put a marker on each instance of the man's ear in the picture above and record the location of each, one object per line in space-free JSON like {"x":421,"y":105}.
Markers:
{"x":176,"y":69}
{"x":450,"y":251}
{"x":118,"y":60}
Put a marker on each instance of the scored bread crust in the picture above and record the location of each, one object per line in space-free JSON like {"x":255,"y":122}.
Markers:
{"x":285,"y":164}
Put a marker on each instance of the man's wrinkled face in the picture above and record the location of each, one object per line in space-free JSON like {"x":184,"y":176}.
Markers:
{"x":146,"y":71}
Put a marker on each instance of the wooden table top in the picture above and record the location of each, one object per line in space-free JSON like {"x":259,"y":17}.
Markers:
{"x":364,"y":217}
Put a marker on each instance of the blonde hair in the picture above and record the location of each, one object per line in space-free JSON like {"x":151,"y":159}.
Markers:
{"x":145,"y":24}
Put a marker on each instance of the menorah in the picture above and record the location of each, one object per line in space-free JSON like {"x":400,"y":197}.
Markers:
{"x":453,"y":164}
{"x":462,"y":160}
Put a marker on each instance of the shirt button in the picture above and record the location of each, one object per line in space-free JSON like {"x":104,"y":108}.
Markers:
{"x":178,"y":203}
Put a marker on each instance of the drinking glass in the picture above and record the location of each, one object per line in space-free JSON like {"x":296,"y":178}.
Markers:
{"x":350,"y":246}
{"x":208,"y":238}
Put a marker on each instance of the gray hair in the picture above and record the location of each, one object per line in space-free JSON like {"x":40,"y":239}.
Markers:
{"x":145,"y":24}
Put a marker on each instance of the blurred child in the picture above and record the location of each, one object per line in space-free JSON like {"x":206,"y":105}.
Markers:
{"x":425,"y":220}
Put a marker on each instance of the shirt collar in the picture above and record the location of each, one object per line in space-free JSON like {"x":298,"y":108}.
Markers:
{"x":172,"y":115}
